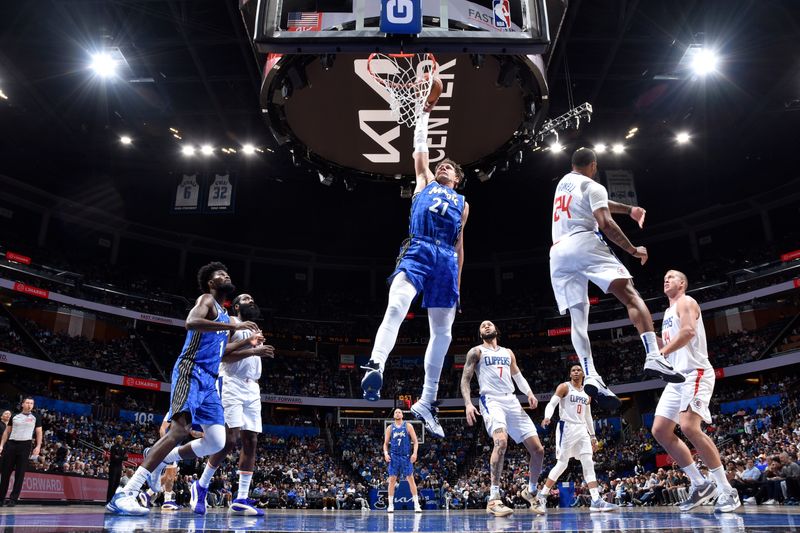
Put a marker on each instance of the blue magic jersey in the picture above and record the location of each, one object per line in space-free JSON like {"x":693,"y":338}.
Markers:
{"x":436,"y":214}
{"x":399,"y":440}
{"x":205,"y":348}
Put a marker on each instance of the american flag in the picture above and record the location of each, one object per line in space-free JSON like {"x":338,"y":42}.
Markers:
{"x":298,"y":18}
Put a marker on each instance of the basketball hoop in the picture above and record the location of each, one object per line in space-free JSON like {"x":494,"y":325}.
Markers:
{"x":408,"y":79}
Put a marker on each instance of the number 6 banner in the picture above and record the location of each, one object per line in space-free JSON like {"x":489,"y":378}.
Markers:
{"x":220,"y":194}
{"x":187,"y":194}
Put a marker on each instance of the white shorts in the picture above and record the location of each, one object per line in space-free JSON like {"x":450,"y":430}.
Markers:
{"x":505,"y":412}
{"x":578,"y":259}
{"x":241,"y":403}
{"x":572,"y":440}
{"x":694,"y":393}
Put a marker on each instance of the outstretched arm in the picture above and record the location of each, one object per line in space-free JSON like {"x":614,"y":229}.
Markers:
{"x":198,"y":318}
{"x":636,"y":213}
{"x":421,"y":160}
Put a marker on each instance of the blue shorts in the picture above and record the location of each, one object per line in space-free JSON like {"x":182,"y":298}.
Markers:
{"x":400,"y":466}
{"x":194,"y":391}
{"x":432,"y":269}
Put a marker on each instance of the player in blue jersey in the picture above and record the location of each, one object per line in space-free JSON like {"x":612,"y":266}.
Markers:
{"x":397,"y":441}
{"x":430,"y":262}
{"x":194,"y":397}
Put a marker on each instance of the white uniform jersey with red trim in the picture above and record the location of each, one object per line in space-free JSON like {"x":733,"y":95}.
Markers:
{"x":694,"y":355}
{"x":494,"y":372}
{"x":576,"y":199}
{"x":572,"y":407}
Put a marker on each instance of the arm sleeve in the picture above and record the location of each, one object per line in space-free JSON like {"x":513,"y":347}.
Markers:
{"x":587,"y":416}
{"x":421,"y":133}
{"x":551,"y":406}
{"x":38,"y":422}
{"x":522,"y":383}
{"x":598,"y":196}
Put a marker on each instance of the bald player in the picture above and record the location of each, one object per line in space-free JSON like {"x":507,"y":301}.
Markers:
{"x":683,"y":341}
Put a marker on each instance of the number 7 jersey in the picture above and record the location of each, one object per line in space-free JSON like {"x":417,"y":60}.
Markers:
{"x":436,"y":214}
{"x":494,"y":372}
{"x":576,"y":199}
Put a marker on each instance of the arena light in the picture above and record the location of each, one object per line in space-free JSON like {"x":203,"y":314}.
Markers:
{"x":3,"y":95}
{"x":556,"y":147}
{"x":125,"y":140}
{"x":187,"y":150}
{"x":600,"y":148}
{"x":683,"y":137}
{"x":207,"y":150}
{"x":103,"y":65}
{"x":618,"y":148}
{"x":248,"y":149}
{"x":705,"y":62}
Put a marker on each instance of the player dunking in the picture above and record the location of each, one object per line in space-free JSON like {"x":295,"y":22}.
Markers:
{"x":579,"y":254}
{"x":686,"y":404}
{"x":241,"y":401}
{"x":502,"y":413}
{"x":430,"y":260}
{"x":574,"y":436}
{"x":398,"y":440}
{"x":194,"y":397}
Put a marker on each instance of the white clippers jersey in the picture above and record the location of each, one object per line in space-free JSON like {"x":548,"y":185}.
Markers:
{"x":572,"y":407}
{"x":494,"y":372}
{"x":576,"y":199}
{"x":247,"y":368}
{"x":694,"y":355}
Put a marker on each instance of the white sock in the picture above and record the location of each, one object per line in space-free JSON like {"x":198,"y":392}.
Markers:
{"x":694,"y":474}
{"x":545,"y":491}
{"x":169,"y":496}
{"x":173,"y":455}
{"x":208,"y":473}
{"x":718,"y":475}
{"x":650,"y":343}
{"x":579,"y":334}
{"x":495,"y":492}
{"x":532,"y":488}
{"x":441,"y":321}
{"x":244,"y":484}
{"x":137,"y":480}
{"x":401,"y":294}
{"x":415,"y":499}
{"x":595,"y":492}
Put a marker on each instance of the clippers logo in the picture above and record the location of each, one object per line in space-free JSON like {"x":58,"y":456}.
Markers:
{"x":502,"y":14}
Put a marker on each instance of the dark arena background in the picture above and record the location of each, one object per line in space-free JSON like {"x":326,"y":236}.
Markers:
{"x":143,"y":139}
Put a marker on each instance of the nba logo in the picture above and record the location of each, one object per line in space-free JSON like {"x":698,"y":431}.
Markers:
{"x":502,"y":14}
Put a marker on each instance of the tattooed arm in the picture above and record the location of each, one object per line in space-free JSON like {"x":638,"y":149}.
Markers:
{"x":611,"y":230}
{"x":466,"y":377}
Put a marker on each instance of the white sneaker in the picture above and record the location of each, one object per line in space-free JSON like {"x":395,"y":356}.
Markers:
{"x":498,"y":508}
{"x":602,"y":395}
{"x":751,"y":500}
{"x":728,"y":501}
{"x":417,"y":508}
{"x":390,"y":509}
{"x":657,"y":366}
{"x":602,"y":506}
{"x":537,"y":503}
{"x":771,"y":501}
{"x":428,"y":414}
{"x":126,"y":504}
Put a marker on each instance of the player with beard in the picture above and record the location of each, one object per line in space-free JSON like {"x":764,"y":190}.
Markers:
{"x":241,"y":401}
{"x":194,"y":397}
{"x":502,"y":413}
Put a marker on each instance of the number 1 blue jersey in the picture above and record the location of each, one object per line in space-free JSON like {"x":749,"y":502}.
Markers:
{"x":436,"y":214}
{"x":205,"y":348}
{"x":399,"y":441}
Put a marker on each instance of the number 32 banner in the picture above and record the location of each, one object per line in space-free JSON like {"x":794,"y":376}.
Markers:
{"x":220,"y":193}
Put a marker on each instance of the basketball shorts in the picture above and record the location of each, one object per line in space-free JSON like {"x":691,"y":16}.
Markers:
{"x":432,"y":269}
{"x":194,"y":391}
{"x":241,"y":403}
{"x":694,"y":393}
{"x":578,"y":259}
{"x":505,"y":412}
{"x":400,"y":466}
{"x":572,"y":440}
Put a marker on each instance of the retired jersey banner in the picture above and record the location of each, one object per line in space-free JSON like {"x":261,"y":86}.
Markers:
{"x":187,"y":194}
{"x":220,"y":197}
{"x":621,"y":187}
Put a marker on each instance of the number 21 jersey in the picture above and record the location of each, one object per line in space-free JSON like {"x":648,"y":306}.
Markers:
{"x":436,"y":214}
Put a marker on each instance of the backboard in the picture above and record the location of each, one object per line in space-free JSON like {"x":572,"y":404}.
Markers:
{"x":457,"y":26}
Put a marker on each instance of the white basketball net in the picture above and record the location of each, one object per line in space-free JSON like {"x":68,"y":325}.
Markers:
{"x":408,"y":79}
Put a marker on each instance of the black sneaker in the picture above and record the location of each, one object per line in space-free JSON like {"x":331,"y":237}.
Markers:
{"x":372,"y":381}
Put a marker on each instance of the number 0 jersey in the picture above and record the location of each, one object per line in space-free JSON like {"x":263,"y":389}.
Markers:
{"x":576,"y":199}
{"x":572,"y":407}
{"x":436,"y":214}
{"x":494,"y":372}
